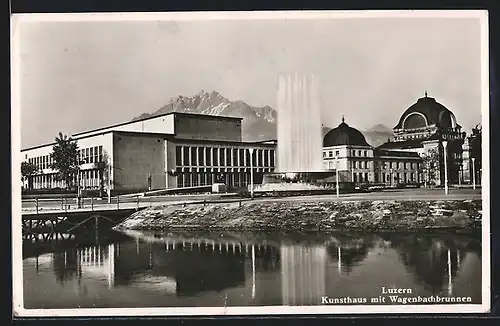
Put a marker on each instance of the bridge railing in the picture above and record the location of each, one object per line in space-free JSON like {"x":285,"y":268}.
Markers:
{"x":90,"y":203}
{"x":39,"y":205}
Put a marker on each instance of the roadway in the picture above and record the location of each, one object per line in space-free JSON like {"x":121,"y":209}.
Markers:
{"x":393,"y":194}
{"x":46,"y":205}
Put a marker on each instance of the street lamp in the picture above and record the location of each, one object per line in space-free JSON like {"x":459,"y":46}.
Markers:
{"x":109,"y":180}
{"x":473,"y":173}
{"x":78,"y":186}
{"x":337,"y":174}
{"x":251,"y":171}
{"x":445,"y":143}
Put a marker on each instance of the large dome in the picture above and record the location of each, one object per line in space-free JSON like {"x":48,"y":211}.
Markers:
{"x":344,"y":135}
{"x":427,"y":112}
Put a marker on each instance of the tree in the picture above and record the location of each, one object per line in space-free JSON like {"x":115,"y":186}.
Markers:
{"x":103,"y":169}
{"x":65,"y":158}
{"x":28,"y":170}
{"x":430,"y":166}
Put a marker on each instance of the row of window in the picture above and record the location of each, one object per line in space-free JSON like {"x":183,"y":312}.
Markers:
{"x":400,"y":177}
{"x":399,"y":165}
{"x":385,"y":165}
{"x":216,"y":156}
{"x":86,"y":155}
{"x":88,"y":179}
{"x":386,"y":177}
{"x":360,"y":164}
{"x":360,"y":153}
{"x":90,"y":154}
{"x":206,"y":179}
{"x":41,"y":162}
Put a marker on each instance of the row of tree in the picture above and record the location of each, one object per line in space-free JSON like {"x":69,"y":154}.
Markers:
{"x":66,"y":162}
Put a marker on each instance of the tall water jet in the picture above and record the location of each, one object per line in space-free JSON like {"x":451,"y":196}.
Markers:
{"x":299,"y":125}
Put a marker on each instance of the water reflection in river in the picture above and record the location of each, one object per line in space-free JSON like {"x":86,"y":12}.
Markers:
{"x":162,"y":270}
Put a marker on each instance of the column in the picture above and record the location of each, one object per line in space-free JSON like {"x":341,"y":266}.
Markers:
{"x":182,"y":156}
{"x":98,"y":179}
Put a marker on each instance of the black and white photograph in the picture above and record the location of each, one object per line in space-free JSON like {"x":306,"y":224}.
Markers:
{"x":250,"y":163}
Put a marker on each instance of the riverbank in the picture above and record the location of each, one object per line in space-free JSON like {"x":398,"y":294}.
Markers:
{"x":312,"y":216}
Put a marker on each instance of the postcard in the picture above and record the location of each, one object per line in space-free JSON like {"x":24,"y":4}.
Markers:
{"x":243,"y":163}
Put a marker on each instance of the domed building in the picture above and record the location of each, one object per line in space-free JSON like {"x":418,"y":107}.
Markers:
{"x":346,"y":150}
{"x":414,"y":155}
{"x":425,"y":117}
{"x":344,"y":135}
{"x":422,"y":129}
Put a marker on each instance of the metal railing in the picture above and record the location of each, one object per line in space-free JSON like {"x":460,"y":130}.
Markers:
{"x":89,"y":203}
{"x":65,"y":204}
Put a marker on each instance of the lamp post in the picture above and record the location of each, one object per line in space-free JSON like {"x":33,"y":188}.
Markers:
{"x":109,"y":180}
{"x":473,"y":173}
{"x":251,"y":171}
{"x":337,"y":174}
{"x":78,"y":189}
{"x":78,"y":186}
{"x":445,"y":143}
{"x":391,"y":177}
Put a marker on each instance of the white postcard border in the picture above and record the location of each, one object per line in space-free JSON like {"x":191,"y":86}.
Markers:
{"x":17,"y":267}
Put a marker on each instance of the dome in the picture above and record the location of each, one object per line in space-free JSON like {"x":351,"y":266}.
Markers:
{"x":344,"y":135}
{"x":426,"y":112}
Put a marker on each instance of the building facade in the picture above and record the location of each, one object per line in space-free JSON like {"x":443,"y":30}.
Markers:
{"x":415,"y":155}
{"x":471,"y":157}
{"x":169,"y":151}
{"x":429,"y":129}
{"x":346,"y":151}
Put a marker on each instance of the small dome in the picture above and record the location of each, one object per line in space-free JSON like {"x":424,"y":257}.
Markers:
{"x":344,"y":135}
{"x":426,"y":112}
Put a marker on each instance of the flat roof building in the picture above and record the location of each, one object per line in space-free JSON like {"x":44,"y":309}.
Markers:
{"x":167,"y":151}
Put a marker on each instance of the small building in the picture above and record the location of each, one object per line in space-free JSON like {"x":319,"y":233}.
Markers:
{"x":169,"y":151}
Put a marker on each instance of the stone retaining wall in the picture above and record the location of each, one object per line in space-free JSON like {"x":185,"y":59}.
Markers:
{"x":322,"y":216}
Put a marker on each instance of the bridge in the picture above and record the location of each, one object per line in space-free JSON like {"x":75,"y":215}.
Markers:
{"x":50,"y":224}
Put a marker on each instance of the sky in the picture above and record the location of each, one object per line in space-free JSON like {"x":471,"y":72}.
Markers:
{"x":76,"y":76}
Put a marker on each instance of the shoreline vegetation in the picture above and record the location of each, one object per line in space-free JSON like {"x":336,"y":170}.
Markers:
{"x":318,"y":216}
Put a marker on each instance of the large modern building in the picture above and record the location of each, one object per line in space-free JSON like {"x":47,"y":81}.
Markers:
{"x":169,"y":151}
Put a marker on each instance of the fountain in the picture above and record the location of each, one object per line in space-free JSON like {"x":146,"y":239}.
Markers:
{"x":299,"y":154}
{"x":299,"y":125}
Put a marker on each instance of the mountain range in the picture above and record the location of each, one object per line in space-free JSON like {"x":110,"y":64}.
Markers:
{"x":259,"y":123}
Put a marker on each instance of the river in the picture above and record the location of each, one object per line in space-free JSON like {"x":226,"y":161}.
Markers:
{"x":141,"y":269}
